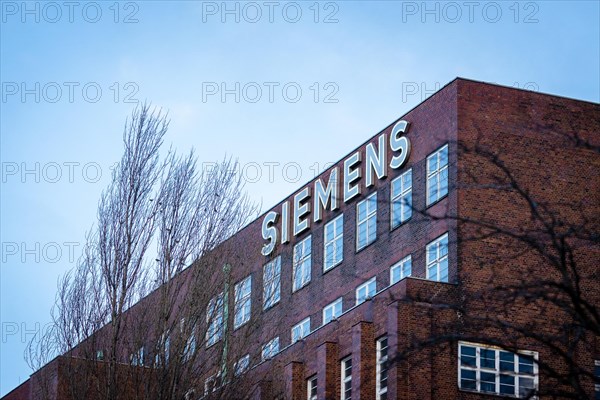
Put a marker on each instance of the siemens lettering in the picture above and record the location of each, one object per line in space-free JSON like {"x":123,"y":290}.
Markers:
{"x":326,"y":196}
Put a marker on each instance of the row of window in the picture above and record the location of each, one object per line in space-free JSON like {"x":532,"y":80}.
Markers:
{"x":482,"y":369}
{"x":437,"y":269}
{"x":346,"y":375}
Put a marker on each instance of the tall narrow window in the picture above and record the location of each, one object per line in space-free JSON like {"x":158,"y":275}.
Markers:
{"x":270,"y":349}
{"x":332,"y":311}
{"x":214,"y":319}
{"x":400,"y":270}
{"x":366,"y":291}
{"x":243,"y":292}
{"x":493,"y":370}
{"x":302,"y":263}
{"x":437,"y":175}
{"x":301,"y":330}
{"x":437,"y":259}
{"x":382,"y":369}
{"x":271,"y":282}
{"x":346,"y":367}
{"x":597,"y":379}
{"x":334,"y":243}
{"x":138,"y":357}
{"x":401,"y":199}
{"x":311,"y":388}
{"x":366,"y":221}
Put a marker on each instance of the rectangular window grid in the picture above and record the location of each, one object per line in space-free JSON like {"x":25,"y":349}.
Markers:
{"x":302,"y":263}
{"x":346,"y":368}
{"x":271,"y":282}
{"x":334,"y":243}
{"x":401,"y":270}
{"x":492,"y":370}
{"x":214,"y":319}
{"x":242,"y":309}
{"x":366,"y":221}
{"x":332,"y":311}
{"x":401,"y":199}
{"x":382,"y":369}
{"x":300,"y":330}
{"x":311,"y":388}
{"x":437,"y":175}
{"x":437,"y":259}
{"x":366,"y":291}
{"x":270,"y":349}
{"x":242,"y":365}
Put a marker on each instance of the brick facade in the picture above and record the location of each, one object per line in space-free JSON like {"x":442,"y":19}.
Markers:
{"x":534,"y":134}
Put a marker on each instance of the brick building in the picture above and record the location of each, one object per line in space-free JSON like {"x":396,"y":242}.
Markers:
{"x":451,"y":256}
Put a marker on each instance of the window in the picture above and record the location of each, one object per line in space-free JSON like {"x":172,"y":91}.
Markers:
{"x":401,"y":199}
{"x":334,"y":243}
{"x":346,"y":367}
{"x":437,"y":175}
{"x":400,"y":270}
{"x":190,"y":346}
{"x":214,"y":319}
{"x":163,"y":350}
{"x":301,"y":330}
{"x":137,"y":358}
{"x":597,"y":379}
{"x":311,"y":388}
{"x":243,"y":292}
{"x":270,"y":349}
{"x":382,"y":369}
{"x":366,"y":221}
{"x":211,"y":385}
{"x":241,"y":365}
{"x":437,"y":259}
{"x":365,"y":291}
{"x":332,"y":311}
{"x":302,"y":263}
{"x":493,"y":370}
{"x":271,"y":282}
{"x":100,"y":355}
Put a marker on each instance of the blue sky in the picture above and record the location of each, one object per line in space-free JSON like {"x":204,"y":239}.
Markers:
{"x":339,"y":72}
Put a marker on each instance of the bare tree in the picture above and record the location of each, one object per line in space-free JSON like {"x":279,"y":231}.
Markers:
{"x":137,"y":324}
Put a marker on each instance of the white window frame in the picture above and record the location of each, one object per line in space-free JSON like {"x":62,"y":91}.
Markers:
{"x":403,"y":199}
{"x":381,"y":365}
{"x":137,"y":358}
{"x":270,"y":349}
{"x":439,"y":258}
{"x":336,"y":243}
{"x":434,"y":174}
{"x":311,"y":383}
{"x":332,"y":306}
{"x":496,"y":370}
{"x":369,"y":294}
{"x":302,"y":263}
{"x":301,"y":330}
{"x":190,"y":344}
{"x":243,"y":302}
{"x":345,"y":377}
{"x":214,"y":319}
{"x":370,"y":214}
{"x":405,"y":268}
{"x":241,"y":365}
{"x":272,"y":283}
{"x":597,"y":377}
